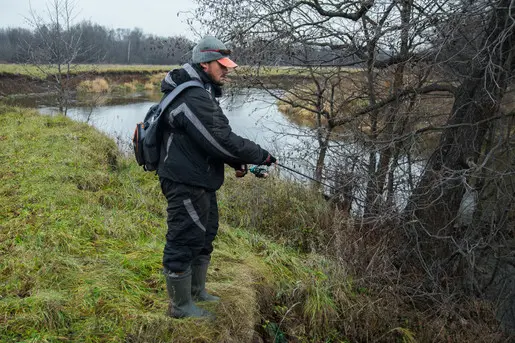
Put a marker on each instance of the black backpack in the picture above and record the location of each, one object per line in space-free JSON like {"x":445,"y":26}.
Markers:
{"x":147,"y":135}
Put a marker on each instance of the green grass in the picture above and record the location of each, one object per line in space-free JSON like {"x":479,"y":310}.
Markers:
{"x":81,"y":236}
{"x":31,"y":70}
{"x":45,"y":70}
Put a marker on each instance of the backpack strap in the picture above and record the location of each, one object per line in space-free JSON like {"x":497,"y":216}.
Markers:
{"x":177,"y":90}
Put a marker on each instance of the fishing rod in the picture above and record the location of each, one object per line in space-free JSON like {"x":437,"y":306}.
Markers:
{"x":259,"y":172}
{"x":306,"y":176}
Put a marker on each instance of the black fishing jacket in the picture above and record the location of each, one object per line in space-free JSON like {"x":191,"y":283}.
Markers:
{"x":197,"y":138}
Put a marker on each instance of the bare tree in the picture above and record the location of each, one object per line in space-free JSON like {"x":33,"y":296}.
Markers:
{"x":459,"y":216}
{"x":359,"y":58}
{"x":422,"y":70}
{"x":56,"y":48}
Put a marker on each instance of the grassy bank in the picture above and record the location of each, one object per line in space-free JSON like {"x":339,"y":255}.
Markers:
{"x":81,"y":236}
{"x":112,"y":84}
{"x":33,"y":71}
{"x":30,"y":70}
{"x":22,"y":79}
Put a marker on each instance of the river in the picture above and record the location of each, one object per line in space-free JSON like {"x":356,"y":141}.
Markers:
{"x":252,"y":114}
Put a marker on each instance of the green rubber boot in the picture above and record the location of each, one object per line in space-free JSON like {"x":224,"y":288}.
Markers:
{"x":179,"y":291}
{"x":198,"y":281}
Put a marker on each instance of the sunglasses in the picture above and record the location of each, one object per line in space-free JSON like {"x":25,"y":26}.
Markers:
{"x":224,"y":52}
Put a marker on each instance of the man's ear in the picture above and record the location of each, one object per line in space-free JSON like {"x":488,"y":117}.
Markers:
{"x":204,"y":65}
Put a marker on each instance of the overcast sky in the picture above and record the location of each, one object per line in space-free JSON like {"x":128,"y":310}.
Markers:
{"x":159,"y":17}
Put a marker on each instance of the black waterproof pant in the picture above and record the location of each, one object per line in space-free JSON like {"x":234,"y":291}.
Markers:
{"x":192,"y":224}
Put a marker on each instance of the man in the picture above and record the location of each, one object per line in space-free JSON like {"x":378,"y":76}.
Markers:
{"x":197,"y":142}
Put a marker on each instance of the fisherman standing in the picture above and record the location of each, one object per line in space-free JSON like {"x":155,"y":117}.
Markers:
{"x":197,"y":142}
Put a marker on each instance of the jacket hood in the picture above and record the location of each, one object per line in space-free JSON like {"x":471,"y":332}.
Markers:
{"x":186,"y":73}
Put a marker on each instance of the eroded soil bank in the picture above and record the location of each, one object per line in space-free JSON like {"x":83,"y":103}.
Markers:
{"x":17,"y":84}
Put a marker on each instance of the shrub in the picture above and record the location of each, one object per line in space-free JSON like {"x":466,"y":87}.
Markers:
{"x":129,"y":86}
{"x":98,"y":85}
{"x":283,"y":210}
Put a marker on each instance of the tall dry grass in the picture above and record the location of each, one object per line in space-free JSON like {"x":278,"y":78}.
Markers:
{"x":98,"y":85}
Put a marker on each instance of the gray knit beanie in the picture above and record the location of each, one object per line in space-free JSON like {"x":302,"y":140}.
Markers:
{"x":209,"y":49}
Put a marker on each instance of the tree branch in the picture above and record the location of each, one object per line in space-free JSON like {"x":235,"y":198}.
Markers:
{"x":315,"y":4}
{"x":395,"y":97}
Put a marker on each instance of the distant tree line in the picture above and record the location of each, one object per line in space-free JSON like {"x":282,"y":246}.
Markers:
{"x":120,"y":46}
{"x":133,"y":46}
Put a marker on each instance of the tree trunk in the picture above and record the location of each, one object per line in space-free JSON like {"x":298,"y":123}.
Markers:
{"x":324,"y":145}
{"x":370,"y":195}
{"x":375,"y":188}
{"x":434,"y":206}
